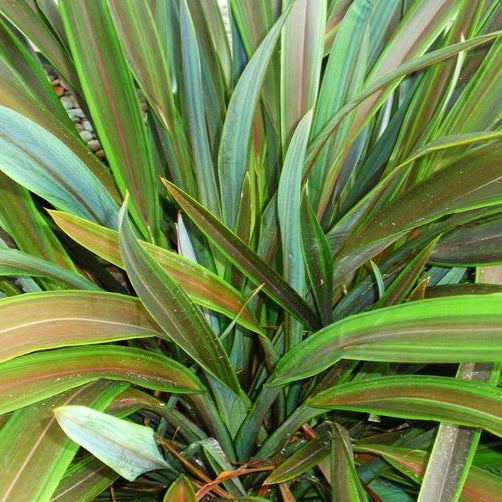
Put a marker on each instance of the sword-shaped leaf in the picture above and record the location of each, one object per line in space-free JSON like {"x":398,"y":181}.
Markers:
{"x":236,"y":134}
{"x":14,"y":262}
{"x":112,"y":99}
{"x":171,"y":307}
{"x":480,"y":483}
{"x":84,"y":481}
{"x":419,"y":397}
{"x":204,"y":287}
{"x":244,"y":258}
{"x":451,"y":329}
{"x":47,"y":320}
{"x":28,"y":379}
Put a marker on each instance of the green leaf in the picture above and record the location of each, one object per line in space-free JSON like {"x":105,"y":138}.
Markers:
{"x":419,"y":397}
{"x":317,"y":259}
{"x":110,"y":94}
{"x":480,"y":484}
{"x":461,"y":247}
{"x":203,"y":286}
{"x":300,"y":462}
{"x":289,"y":205}
{"x":301,"y":57}
{"x":34,"y":451}
{"x":31,"y":378}
{"x":128,"y":448}
{"x":236,"y":134}
{"x":18,"y":206}
{"x":84,"y":481}
{"x":38,"y":161}
{"x":344,"y":480}
{"x":454,"y":447}
{"x":180,"y":491}
{"x":246,"y":260}
{"x":401,"y":286}
{"x":477,"y":186}
{"x":451,"y":329}
{"x":170,"y":306}
{"x":47,"y":320}
{"x":193,"y":86}
{"x":393,"y":77}
{"x":14,"y":262}
{"x":26,"y":16}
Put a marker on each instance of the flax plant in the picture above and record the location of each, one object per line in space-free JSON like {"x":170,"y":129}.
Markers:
{"x":281,"y":279}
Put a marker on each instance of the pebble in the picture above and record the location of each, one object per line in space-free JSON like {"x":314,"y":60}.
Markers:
{"x":87,"y":126}
{"x":67,"y":103}
{"x":86,"y":135}
{"x":100,"y":153}
{"x":76,"y":113}
{"x":93,"y":144}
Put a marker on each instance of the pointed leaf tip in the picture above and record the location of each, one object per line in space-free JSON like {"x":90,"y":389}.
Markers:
{"x":126,"y":447}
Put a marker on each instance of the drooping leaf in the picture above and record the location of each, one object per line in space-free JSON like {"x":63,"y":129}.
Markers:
{"x":14,"y":262}
{"x":451,"y":329}
{"x":203,"y":286}
{"x":419,"y":397}
{"x":248,"y":262}
{"x":34,"y":377}
{"x":128,"y":448}
{"x":38,"y":161}
{"x":47,"y":320}
{"x":170,"y":306}
{"x":480,"y":484}
{"x":474,"y":244}
{"x":34,"y":451}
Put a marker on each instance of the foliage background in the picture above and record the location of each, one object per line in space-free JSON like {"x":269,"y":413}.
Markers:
{"x":286,"y":264}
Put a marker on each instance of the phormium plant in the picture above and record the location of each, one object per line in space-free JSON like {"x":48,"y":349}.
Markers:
{"x":268,"y":282}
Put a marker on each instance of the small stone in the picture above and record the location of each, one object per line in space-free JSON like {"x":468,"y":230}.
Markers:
{"x":87,"y":126}
{"x":54,"y":81}
{"x":67,"y":102}
{"x":76,"y":113}
{"x":100,"y":153}
{"x":86,"y":136}
{"x":58,"y":90}
{"x":94,"y":144}
{"x":78,"y":126}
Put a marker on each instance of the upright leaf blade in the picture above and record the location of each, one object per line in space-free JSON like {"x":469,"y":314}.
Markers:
{"x":170,"y":306}
{"x":235,"y":137}
{"x":248,"y":262}
{"x":301,"y":56}
{"x":112,"y":99}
